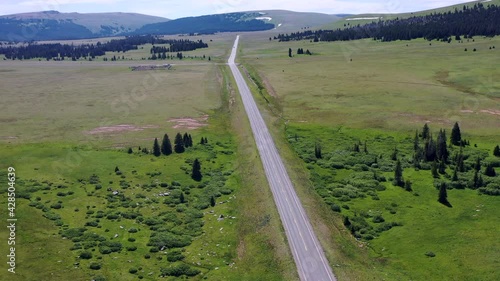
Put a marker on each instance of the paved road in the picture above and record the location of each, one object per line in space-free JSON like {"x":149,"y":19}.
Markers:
{"x":309,"y":257}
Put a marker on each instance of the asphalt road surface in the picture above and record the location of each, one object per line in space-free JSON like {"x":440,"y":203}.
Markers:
{"x":309,"y":257}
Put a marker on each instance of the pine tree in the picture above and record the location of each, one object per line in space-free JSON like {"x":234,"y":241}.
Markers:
{"x":202,"y":141}
{"x":178,"y":144}
{"x":185,"y":139}
{"x":117,"y":169}
{"x":477,"y":166}
{"x":443,"y":195}
{"x":156,"y":148}
{"x":434,"y":169}
{"x":290,"y":52}
{"x":441,"y":148}
{"x":408,"y":185}
{"x":430,"y":149}
{"x":442,"y":167}
{"x":455,"y":175}
{"x":196,"y":174}
{"x":317,"y":151}
{"x":394,"y":155}
{"x":456,"y":137}
{"x":490,"y":171}
{"x":182,"y":199}
{"x":425,"y":131}
{"x":365,"y":147}
{"x":416,"y":143}
{"x":190,"y":140}
{"x":130,"y":151}
{"x":398,"y":175}
{"x":496,"y":151}
{"x":166,"y":145}
{"x":212,"y":201}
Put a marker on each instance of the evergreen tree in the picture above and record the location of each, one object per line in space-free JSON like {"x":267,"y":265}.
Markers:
{"x":442,"y":167}
{"x":394,"y":155}
{"x":166,"y":145}
{"x":117,"y":169}
{"x":206,"y":140}
{"x":477,"y":166}
{"x":190,"y":140}
{"x":441,"y":148}
{"x":130,"y":151}
{"x":490,"y":171}
{"x":455,"y":175}
{"x":290,"y":52}
{"x":356,"y":147}
{"x":408,"y":185}
{"x":425,"y":131}
{"x":456,"y":137}
{"x":178,"y":144}
{"x":212,"y":201}
{"x":185,"y":139}
{"x":443,"y":195}
{"x":317,"y":151}
{"x":430,"y":149}
{"x":496,"y":151}
{"x":434,"y":169}
{"x":398,"y":175}
{"x":202,"y":141}
{"x":196,"y":174}
{"x":182,"y":199}
{"x":365,"y":148}
{"x":416,"y":143}
{"x":156,"y":148}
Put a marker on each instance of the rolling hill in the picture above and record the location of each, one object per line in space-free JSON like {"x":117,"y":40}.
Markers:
{"x":53,"y":25}
{"x":368,"y":18}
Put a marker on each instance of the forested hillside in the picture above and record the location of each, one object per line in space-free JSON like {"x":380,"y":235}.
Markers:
{"x":479,"y":20}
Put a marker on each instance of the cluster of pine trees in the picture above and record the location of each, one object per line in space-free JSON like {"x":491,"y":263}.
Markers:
{"x":300,"y":51}
{"x":59,"y":51}
{"x":176,"y":46}
{"x":438,"y":153}
{"x":469,"y":21}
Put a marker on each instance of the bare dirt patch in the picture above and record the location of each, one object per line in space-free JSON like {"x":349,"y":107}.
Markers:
{"x":491,"y":111}
{"x":189,"y":123}
{"x":118,"y":129}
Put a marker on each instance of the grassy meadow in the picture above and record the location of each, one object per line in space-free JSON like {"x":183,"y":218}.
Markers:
{"x":351,"y":92}
{"x":67,"y":126}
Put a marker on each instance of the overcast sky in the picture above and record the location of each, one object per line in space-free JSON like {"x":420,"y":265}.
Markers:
{"x":182,"y":8}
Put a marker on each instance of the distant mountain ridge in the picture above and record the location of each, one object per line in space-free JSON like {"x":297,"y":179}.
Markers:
{"x":53,"y":25}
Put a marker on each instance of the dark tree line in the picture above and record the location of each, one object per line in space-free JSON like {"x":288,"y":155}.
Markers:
{"x":182,"y":45}
{"x":59,"y":51}
{"x":468,"y":22}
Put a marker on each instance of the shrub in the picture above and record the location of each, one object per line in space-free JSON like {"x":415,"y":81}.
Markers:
{"x":336,"y":208}
{"x":378,"y":219}
{"x":131,"y":239}
{"x":174,"y":256}
{"x":179,"y":270}
{"x":56,"y":206}
{"x":131,"y":248}
{"x":133,"y":270}
{"x":95,"y":266}
{"x":430,"y":254}
{"x":85,"y":255}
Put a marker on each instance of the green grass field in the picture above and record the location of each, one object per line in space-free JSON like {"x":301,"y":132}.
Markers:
{"x":382,"y":96}
{"x":67,"y":121}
